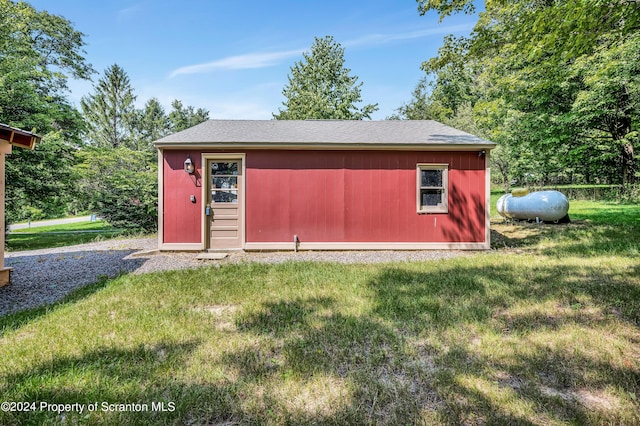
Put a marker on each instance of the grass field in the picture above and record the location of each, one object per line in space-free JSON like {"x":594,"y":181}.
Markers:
{"x":98,"y":225}
{"x":59,"y":235}
{"x":544,"y":329}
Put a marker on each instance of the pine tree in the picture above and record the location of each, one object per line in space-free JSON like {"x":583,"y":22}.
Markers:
{"x":152,"y":123}
{"x":110,"y":111}
{"x":320,"y":87}
{"x":181,"y":118}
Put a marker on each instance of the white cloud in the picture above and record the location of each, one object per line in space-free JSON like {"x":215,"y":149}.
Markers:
{"x":248,"y":61}
{"x":376,"y":39}
{"x":129,"y":12}
{"x":269,"y":59}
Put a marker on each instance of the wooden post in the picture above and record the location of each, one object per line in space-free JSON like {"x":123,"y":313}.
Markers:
{"x":5,"y":273}
{"x":10,"y":136}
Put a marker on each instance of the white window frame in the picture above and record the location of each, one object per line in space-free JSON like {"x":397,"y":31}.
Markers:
{"x":442,"y":207}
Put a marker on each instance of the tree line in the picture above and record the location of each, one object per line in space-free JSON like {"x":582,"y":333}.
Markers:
{"x":99,"y":158}
{"x":555,"y":83}
{"x":118,"y":168}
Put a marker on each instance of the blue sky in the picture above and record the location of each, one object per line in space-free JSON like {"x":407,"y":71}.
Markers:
{"x":233,"y":57}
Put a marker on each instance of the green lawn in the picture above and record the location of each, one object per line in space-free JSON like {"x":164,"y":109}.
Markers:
{"x":98,"y":225}
{"x":59,"y":235}
{"x":544,"y":329}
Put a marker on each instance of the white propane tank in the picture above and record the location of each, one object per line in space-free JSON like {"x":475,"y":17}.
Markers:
{"x":548,"y":206}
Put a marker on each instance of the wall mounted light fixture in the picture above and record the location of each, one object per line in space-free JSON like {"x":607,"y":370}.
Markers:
{"x":482,"y":153}
{"x":189,"y":167}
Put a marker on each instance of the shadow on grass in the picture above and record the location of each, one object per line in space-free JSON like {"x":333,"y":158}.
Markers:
{"x":18,"y":319}
{"x":582,"y":238}
{"x":477,"y":340}
{"x":351,"y":370}
{"x":142,"y":375}
{"x":480,"y":328}
{"x":364,"y":360}
{"x":414,"y":358}
{"x":71,"y":276}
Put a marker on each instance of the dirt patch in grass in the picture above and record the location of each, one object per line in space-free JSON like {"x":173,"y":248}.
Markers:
{"x":590,"y":399}
{"x":597,"y":400}
{"x":219,"y":310}
{"x":223,"y":315}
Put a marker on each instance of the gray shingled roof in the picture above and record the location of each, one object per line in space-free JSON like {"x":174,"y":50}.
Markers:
{"x":322,"y":132}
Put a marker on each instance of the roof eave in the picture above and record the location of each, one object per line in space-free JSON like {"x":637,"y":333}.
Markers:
{"x":18,"y":137}
{"x":328,"y":146}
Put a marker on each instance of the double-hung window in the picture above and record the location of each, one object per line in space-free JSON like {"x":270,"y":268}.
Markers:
{"x":432,"y":188}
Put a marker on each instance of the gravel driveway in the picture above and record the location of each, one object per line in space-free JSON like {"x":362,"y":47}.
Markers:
{"x":44,"y":276}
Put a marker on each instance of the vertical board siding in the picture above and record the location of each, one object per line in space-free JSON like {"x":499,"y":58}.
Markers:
{"x":333,"y":196}
{"x":182,"y":220}
{"x":364,"y":196}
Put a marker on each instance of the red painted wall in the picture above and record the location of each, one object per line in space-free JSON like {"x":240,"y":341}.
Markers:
{"x":334,"y":196}
{"x":182,"y":221}
{"x":364,"y":196}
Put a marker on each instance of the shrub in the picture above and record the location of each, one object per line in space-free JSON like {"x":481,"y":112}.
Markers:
{"x":121,"y":186}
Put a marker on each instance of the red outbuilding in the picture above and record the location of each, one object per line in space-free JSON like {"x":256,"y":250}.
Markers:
{"x":323,"y":185}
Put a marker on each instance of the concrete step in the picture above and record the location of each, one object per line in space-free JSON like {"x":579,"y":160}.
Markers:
{"x":211,"y":256}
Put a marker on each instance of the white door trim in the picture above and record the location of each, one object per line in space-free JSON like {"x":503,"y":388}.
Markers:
{"x":206,"y":157}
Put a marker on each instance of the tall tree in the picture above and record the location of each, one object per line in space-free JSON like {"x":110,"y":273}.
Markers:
{"x":568,"y":68}
{"x":38,"y":53}
{"x":442,"y":98}
{"x":608,"y":103}
{"x":181,"y":117}
{"x":151,"y":124}
{"x":109,"y":111}
{"x":320,"y":87}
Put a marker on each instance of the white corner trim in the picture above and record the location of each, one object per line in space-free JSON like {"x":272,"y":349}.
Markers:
{"x":487,"y":190}
{"x":160,"y":197}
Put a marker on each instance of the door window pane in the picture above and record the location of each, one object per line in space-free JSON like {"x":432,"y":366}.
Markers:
{"x":225,"y":182}
{"x":224,"y":168}
{"x":224,"y":196}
